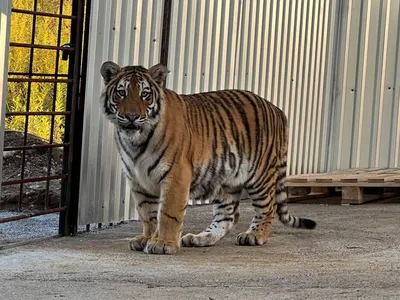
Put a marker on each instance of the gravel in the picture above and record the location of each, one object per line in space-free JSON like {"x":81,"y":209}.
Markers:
{"x":36,"y":227}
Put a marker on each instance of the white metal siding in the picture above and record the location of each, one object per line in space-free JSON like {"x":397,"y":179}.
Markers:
{"x":129,"y":33}
{"x":281,"y":50}
{"x":366,"y":123}
{"x":5,"y":17}
{"x":331,"y":65}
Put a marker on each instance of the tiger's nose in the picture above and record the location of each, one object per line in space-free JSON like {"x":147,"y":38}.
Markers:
{"x":131,"y":117}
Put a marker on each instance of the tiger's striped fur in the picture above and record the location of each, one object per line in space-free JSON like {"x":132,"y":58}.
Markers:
{"x":202,"y":146}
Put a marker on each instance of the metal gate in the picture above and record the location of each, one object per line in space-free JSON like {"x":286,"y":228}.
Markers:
{"x":44,"y":110}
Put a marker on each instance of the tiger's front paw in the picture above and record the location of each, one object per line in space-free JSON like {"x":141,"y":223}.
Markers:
{"x":187,"y":240}
{"x":251,"y":239}
{"x":203,"y":239}
{"x":159,"y":246}
{"x":138,"y":243}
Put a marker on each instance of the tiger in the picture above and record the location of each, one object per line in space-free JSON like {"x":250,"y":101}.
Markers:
{"x":209,"y":145}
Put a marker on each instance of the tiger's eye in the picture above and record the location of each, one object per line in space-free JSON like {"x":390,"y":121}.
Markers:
{"x":121,"y":93}
{"x":144,"y":94}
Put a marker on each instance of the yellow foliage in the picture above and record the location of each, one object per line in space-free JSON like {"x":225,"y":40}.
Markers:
{"x":43,"y":97}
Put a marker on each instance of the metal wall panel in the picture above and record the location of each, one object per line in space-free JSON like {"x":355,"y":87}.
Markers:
{"x":127,"y":32}
{"x":203,"y":43}
{"x":5,"y":23}
{"x":281,"y":50}
{"x":366,"y":111}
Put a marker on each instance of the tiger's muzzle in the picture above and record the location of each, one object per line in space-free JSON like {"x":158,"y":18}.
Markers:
{"x":130,"y":121}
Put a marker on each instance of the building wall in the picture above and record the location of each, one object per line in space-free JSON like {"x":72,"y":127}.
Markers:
{"x":366,"y":112}
{"x":331,"y":65}
{"x":281,"y":50}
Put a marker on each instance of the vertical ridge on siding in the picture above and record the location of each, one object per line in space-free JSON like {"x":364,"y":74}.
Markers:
{"x":126,"y":32}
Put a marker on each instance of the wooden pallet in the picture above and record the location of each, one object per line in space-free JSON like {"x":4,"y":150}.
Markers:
{"x":358,"y":185}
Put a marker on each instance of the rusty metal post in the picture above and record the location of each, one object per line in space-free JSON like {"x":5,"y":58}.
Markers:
{"x":166,"y":29}
{"x":72,"y":161}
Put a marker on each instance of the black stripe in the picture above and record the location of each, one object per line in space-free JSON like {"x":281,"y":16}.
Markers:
{"x":255,"y":149}
{"x":228,"y":219}
{"x":146,"y":202}
{"x":263,"y":191}
{"x":171,"y":217}
{"x":143,"y":146}
{"x":169,"y":169}
{"x":224,"y":205}
{"x":238,"y":103}
{"x":120,"y":145}
{"x":227,"y":106}
{"x":260,"y":152}
{"x":157,"y":161}
{"x":185,"y":207}
{"x":265,"y":167}
{"x":215,"y":104}
{"x":145,"y":194}
{"x":232,"y":161}
{"x":261,"y":205}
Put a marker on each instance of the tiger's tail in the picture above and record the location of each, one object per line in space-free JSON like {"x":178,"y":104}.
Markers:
{"x":280,"y":194}
{"x":281,"y":201}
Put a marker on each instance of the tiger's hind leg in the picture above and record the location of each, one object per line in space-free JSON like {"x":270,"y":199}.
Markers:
{"x":147,"y":208}
{"x":225,"y":216}
{"x":263,"y":202}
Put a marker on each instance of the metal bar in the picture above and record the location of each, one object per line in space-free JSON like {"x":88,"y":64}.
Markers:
{"x":26,"y":216}
{"x":29,"y":80}
{"x":38,"y":113}
{"x":36,"y":74}
{"x":166,"y":33}
{"x":41,"y":13}
{"x":21,"y":187}
{"x":24,"y":45}
{"x":33,"y":179}
{"x":31,"y":147}
{"x":74,"y":125}
{"x":85,"y":52}
{"x":53,"y":106}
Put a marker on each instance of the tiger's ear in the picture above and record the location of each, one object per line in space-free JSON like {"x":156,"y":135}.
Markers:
{"x":109,"y":70}
{"x":159,"y":72}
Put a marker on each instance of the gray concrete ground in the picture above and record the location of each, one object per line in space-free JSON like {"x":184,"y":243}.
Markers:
{"x":354,"y":253}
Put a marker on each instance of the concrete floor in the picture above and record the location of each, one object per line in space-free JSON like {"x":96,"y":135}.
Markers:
{"x":354,"y":253}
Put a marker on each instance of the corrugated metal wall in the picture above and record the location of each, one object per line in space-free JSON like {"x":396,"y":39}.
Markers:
{"x":5,"y":21}
{"x":127,"y":32}
{"x":366,"y":110}
{"x":332,"y":66}
{"x":282,"y":50}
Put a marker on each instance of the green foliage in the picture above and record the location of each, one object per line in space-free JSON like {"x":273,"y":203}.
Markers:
{"x":43,"y":97}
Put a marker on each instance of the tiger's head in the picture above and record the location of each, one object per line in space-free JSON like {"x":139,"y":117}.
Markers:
{"x":132,"y":95}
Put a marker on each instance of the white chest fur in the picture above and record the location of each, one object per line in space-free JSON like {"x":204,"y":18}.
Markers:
{"x":138,"y":163}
